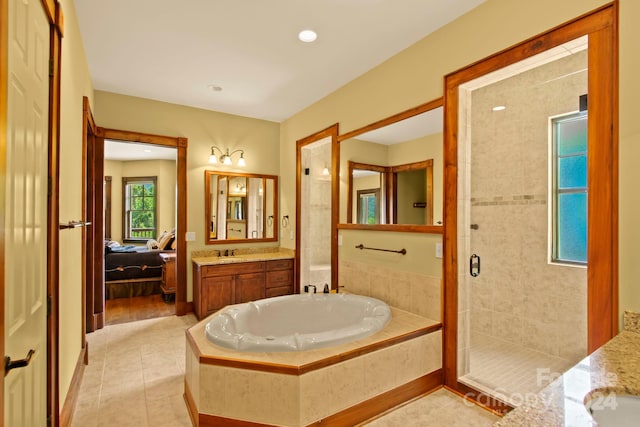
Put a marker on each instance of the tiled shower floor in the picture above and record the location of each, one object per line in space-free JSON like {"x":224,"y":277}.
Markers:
{"x":135,"y":377}
{"x":510,"y":372}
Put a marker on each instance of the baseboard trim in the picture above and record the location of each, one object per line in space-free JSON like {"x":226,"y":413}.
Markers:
{"x":183,"y":308}
{"x":345,"y":418}
{"x":66,"y":415}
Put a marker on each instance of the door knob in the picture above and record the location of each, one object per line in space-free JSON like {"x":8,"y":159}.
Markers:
{"x":13,"y":364}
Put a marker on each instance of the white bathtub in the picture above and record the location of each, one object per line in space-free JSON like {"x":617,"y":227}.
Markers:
{"x":297,"y":322}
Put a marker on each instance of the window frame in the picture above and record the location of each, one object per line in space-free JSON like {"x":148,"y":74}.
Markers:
{"x":126,"y":229}
{"x":555,"y":191}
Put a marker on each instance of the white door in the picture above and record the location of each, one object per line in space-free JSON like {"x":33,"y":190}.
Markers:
{"x":26,"y":212}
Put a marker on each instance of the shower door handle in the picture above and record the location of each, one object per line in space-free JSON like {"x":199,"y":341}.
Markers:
{"x":474,"y":265}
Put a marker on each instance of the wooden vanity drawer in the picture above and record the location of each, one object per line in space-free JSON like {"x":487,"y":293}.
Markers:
{"x":279,"y":278}
{"x":280,"y":264}
{"x":234,"y":268}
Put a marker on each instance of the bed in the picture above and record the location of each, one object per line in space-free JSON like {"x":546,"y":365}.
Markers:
{"x":132,"y":271}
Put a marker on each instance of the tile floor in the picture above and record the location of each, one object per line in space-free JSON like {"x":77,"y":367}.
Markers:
{"x":510,"y":372}
{"x":135,"y":378}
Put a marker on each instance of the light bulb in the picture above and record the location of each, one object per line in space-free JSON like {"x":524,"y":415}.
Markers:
{"x":227,"y":160}
{"x":213,"y":159}
{"x":241,"y":161}
{"x":325,"y":171}
{"x":307,"y":36}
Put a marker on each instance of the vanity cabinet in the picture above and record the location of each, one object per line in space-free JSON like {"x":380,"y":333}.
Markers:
{"x":219,"y":285}
{"x":279,"y":278}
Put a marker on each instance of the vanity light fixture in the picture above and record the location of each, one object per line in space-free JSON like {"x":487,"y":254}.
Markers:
{"x":225,"y":157}
{"x":307,"y":36}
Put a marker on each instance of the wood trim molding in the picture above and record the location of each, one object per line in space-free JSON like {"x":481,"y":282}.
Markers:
{"x":53,"y":213}
{"x":414,"y":111}
{"x":346,"y":418}
{"x":430,"y":229}
{"x":332,"y":132}
{"x":403,"y":228}
{"x":601,"y":26}
{"x":181,"y":144}
{"x":383,"y":402}
{"x":131,"y":136}
{"x":66,"y":415}
{"x":191,"y":405}
{"x":481,"y":399}
{"x":108,"y":181}
{"x":303,"y":369}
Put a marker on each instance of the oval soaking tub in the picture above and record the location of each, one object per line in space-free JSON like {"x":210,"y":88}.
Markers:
{"x":297,"y":322}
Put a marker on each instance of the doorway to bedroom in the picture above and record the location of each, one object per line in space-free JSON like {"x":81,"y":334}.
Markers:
{"x":142,"y":222}
{"x":139,"y":228}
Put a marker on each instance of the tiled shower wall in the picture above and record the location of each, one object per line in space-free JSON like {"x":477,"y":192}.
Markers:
{"x":518,"y":297}
{"x":316,"y":214}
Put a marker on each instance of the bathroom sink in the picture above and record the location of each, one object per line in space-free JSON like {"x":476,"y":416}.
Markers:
{"x":611,"y":409}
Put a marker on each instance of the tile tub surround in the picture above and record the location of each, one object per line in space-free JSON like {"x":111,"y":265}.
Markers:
{"x":211,"y":257}
{"x":613,"y":367}
{"x":300,"y":388}
{"x":413,"y":292}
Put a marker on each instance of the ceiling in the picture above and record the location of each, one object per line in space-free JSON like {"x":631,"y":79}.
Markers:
{"x":428,"y":123}
{"x":177,"y":51}
{"x":118,"y":150}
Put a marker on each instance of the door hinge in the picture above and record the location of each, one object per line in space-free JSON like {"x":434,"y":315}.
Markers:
{"x":48,"y":305}
{"x":51,"y":63}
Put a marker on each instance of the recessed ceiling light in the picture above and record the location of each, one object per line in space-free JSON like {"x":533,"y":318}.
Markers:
{"x":499,"y":108}
{"x":307,"y":36}
{"x":215,"y":88}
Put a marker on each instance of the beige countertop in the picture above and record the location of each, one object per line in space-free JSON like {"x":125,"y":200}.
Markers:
{"x":263,"y":256}
{"x":613,"y":367}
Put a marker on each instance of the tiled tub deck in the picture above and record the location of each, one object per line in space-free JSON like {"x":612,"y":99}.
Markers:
{"x":342,"y":384}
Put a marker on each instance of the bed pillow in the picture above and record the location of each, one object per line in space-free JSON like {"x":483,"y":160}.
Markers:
{"x":152,"y":244}
{"x":164,"y":241}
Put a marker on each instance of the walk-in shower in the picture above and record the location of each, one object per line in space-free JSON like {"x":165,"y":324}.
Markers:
{"x":522,"y":223}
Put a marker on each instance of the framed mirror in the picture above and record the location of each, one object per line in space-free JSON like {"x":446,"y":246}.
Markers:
{"x":240,"y":207}
{"x":391,"y":172}
{"x":401,"y":194}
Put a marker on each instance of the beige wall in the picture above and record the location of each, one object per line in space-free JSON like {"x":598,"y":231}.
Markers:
{"x":428,"y":147}
{"x":416,"y":75}
{"x":76,"y":83}
{"x":164,"y":170}
{"x":258,"y":138}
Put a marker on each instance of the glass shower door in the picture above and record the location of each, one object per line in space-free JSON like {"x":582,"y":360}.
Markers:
{"x":522,"y":307}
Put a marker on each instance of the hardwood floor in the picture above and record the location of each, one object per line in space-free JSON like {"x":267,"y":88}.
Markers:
{"x":124,"y":310}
